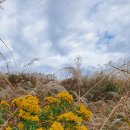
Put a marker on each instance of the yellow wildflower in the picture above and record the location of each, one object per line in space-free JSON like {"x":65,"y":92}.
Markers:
{"x":16,"y":102}
{"x":35,"y":118}
{"x":84,"y":111}
{"x":65,"y":96}
{"x":69,"y":116}
{"x":20,"y":126}
{"x":81,"y":127}
{"x":5,"y":103}
{"x":39,"y":128}
{"x":27,"y":116}
{"x":51,"y":100}
{"x":28,"y":102}
{"x":56,"y":126}
{"x":8,"y":128}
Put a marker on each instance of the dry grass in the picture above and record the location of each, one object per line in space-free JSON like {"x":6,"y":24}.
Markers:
{"x":106,"y":94}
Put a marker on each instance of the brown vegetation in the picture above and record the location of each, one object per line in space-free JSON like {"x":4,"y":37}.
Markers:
{"x":106,"y":94}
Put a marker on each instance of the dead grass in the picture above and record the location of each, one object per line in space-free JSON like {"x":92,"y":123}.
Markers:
{"x":106,"y":94}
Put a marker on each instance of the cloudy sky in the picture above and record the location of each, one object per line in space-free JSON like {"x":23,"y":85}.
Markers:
{"x":54,"y":32}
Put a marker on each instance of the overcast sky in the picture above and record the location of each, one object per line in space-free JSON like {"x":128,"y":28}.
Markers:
{"x":57,"y":31}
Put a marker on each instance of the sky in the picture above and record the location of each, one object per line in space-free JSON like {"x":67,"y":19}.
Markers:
{"x":50,"y":34}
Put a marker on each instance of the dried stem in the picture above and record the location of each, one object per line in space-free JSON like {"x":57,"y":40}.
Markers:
{"x":9,"y":51}
{"x":122,"y":101}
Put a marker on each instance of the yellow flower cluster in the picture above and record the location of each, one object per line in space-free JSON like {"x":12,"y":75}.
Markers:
{"x":20,"y":126}
{"x":51,"y":100}
{"x":69,"y":116}
{"x":84,"y":111}
{"x":28,"y":104}
{"x":8,"y":128}
{"x":65,"y":96}
{"x":58,"y":114}
{"x":4,"y":103}
{"x":81,"y":127}
{"x":27,"y":116}
{"x":39,"y":128}
{"x":56,"y":126}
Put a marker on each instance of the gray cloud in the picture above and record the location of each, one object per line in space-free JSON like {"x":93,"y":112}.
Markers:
{"x":57,"y":31}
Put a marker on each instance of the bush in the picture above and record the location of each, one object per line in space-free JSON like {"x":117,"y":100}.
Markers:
{"x":110,"y":87}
